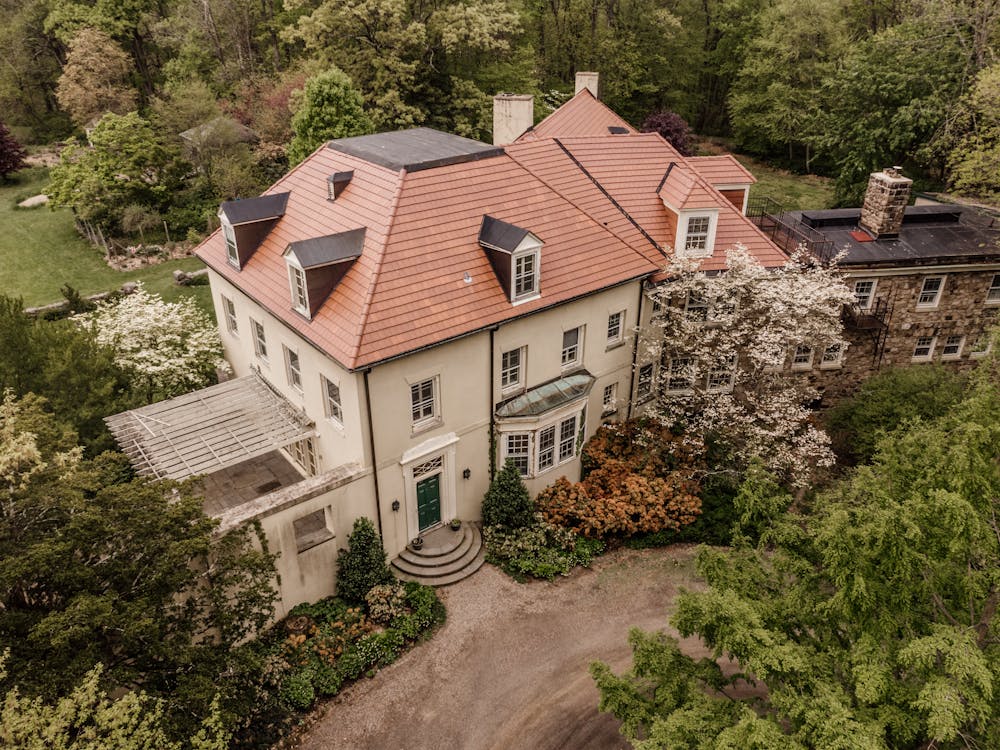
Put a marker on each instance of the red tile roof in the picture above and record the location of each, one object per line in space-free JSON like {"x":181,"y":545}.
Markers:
{"x":581,"y":115}
{"x":407,"y":290}
{"x":721,"y":170}
{"x":592,"y":200}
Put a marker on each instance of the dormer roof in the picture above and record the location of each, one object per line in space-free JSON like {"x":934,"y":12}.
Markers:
{"x":683,"y":190}
{"x":248,"y":210}
{"x":499,"y":235}
{"x":331,"y":248}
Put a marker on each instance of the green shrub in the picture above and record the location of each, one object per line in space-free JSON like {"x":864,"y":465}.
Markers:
{"x":427,"y":609}
{"x":330,"y":609}
{"x":351,"y":665}
{"x":888,"y":400}
{"x":297,"y":689}
{"x":380,"y":649}
{"x":507,"y":502}
{"x":542,"y":550}
{"x":363,"y":564}
{"x":386,"y":602}
{"x":327,"y":680}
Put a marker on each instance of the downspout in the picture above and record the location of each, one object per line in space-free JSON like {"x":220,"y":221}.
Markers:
{"x":371,"y":446}
{"x":493,"y":421}
{"x":635,"y":349}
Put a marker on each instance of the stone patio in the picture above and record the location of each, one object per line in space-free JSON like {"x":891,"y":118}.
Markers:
{"x":247,"y":481}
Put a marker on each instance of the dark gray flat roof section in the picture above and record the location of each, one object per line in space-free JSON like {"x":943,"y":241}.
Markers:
{"x":255,"y":209}
{"x":500,"y":234}
{"x":333,"y":248}
{"x":415,"y":149}
{"x":929,"y":235}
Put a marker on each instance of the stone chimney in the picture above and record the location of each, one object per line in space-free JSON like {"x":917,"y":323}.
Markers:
{"x":588,"y":81}
{"x":513,"y":114}
{"x":885,"y":201}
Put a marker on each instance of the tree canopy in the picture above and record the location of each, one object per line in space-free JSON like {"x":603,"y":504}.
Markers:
{"x":868,"y":620}
{"x":330,"y":108}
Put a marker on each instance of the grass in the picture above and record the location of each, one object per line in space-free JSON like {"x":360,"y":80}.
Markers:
{"x":792,"y":191}
{"x":40,"y":251}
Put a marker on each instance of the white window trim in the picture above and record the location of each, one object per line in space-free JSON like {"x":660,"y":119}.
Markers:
{"x":229,"y":313}
{"x":994,"y":286}
{"x":957,"y":355}
{"x":871,"y":294}
{"x":974,"y":354}
{"x":669,"y":375}
{"x":434,"y":419}
{"x":688,"y":307}
{"x":609,"y":406}
{"x":832,"y":364}
{"x":930,"y":353}
{"x":640,"y":397}
{"x":324,"y":383}
{"x":578,"y":359}
{"x":521,"y":367}
{"x":803,"y":366}
{"x":618,"y":340}
{"x":728,"y":387}
{"x":300,"y":306}
{"x":229,"y":235}
{"x":530,"y":245}
{"x":259,"y":340}
{"x":937,"y":299}
{"x":293,"y":373}
{"x":680,"y":241}
{"x":533,"y":429}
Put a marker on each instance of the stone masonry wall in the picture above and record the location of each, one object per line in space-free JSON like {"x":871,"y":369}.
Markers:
{"x":962,"y":310}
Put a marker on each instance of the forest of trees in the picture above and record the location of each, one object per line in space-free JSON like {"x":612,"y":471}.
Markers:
{"x":839,"y":87}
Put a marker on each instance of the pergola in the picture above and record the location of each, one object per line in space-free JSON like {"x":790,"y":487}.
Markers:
{"x":210,"y":429}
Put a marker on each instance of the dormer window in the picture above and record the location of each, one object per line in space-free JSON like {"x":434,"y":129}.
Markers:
{"x":300,"y":294}
{"x":696,"y":240}
{"x":336,"y":183}
{"x":230,"y":234}
{"x":525,"y":275}
{"x":515,"y":255}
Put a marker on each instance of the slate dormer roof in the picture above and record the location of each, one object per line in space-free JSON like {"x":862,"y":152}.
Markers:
{"x":499,"y":235}
{"x":248,"y":210}
{"x":331,"y":248}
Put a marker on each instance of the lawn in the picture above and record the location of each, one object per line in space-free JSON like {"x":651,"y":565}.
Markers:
{"x":792,"y":191}
{"x":40,"y":251}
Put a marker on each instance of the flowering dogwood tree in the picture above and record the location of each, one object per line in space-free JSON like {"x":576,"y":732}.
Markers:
{"x":726,"y":342}
{"x":168,"y":347}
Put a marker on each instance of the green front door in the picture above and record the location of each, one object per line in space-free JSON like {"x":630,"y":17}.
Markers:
{"x":429,"y":501}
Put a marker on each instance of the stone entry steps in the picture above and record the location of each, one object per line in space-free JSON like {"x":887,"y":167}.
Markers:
{"x":446,"y":557}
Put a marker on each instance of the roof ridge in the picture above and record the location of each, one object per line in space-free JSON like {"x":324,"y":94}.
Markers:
{"x":370,"y":292}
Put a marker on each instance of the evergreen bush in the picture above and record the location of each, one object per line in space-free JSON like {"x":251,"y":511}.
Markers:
{"x":362,"y":565}
{"x":507,"y":502}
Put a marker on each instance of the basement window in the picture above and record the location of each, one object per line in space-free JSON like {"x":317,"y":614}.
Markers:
{"x":313,"y":529}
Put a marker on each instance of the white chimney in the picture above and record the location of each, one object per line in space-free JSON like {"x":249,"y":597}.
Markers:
{"x":885,"y":202}
{"x":588,"y":81}
{"x":513,"y":114}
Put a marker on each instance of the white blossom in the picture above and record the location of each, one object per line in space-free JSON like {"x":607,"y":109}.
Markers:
{"x":730,"y":337}
{"x":168,"y":347}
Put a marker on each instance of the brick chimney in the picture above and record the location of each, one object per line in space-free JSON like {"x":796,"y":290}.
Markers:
{"x":513,"y":114}
{"x":885,"y":201}
{"x":588,"y":81}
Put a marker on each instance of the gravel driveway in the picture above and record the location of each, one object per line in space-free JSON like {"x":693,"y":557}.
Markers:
{"x":509,"y":668}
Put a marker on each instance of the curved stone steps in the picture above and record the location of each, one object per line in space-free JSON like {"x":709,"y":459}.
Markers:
{"x":448,"y":557}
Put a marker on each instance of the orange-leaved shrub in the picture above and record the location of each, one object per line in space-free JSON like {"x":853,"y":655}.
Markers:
{"x":615,"y":501}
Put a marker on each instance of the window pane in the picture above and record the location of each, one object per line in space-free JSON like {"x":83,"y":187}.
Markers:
{"x":567,"y":438}
{"x":614,"y":326}
{"x":259,"y":342}
{"x":333,"y":407}
{"x":644,"y":388}
{"x":546,"y":448}
{"x":422,"y":400}
{"x":930,"y":290}
{"x":510,"y":368}
{"x":516,"y":449}
{"x":863,"y":293}
{"x":524,"y":275}
{"x":571,"y":346}
{"x":993,"y":295}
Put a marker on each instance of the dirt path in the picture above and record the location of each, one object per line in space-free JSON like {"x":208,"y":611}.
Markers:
{"x":509,"y":668}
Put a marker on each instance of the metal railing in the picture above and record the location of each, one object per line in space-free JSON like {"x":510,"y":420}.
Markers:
{"x":787,"y":234}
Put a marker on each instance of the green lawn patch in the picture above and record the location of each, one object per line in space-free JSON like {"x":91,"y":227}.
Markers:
{"x":792,"y":191}
{"x":40,"y":251}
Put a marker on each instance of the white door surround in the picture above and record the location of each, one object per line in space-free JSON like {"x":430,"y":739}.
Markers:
{"x":433,"y":456}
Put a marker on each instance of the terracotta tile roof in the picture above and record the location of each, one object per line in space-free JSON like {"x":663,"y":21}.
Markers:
{"x":721,"y":170}
{"x":683,"y":188}
{"x":581,"y":115}
{"x":407,"y":290}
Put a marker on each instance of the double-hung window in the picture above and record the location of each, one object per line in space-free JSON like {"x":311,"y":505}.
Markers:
{"x":229,"y":310}
{"x":930,"y":292}
{"x":517,"y":448}
{"x":924,"y":348}
{"x":609,"y":398}
{"x":230,"y":234}
{"x":297,"y":283}
{"x":696,"y":307}
{"x":644,"y":383}
{"x":864,"y":292}
{"x":952,"y":348}
{"x":331,"y":400}
{"x":981,"y":346}
{"x":293,"y":368}
{"x":546,"y":448}
{"x":696,"y":238}
{"x":567,"y":439}
{"x":679,"y":378}
{"x":571,"y":346}
{"x":423,"y":402}
{"x":525,"y":275}
{"x":993,"y":293}
{"x":833,"y":356}
{"x":802,"y":358}
{"x":259,"y":340}
{"x":512,"y":369}
{"x":536,"y":451}
{"x":616,"y":321}
{"x":720,"y":377}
